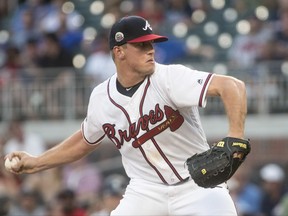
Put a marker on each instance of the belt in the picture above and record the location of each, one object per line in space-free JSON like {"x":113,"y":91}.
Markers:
{"x":181,"y":182}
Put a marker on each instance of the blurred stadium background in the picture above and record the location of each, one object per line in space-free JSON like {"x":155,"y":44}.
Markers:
{"x":244,"y":38}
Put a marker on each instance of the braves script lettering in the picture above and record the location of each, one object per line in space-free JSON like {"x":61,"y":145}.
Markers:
{"x":173,"y":121}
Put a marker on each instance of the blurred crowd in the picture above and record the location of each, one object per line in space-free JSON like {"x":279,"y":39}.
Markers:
{"x":49,"y":48}
{"x":260,"y":191}
{"x":77,"y":189}
{"x":31,"y":21}
{"x":39,"y":64}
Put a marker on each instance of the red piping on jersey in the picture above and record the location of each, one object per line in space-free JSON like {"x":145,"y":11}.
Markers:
{"x":156,"y":170}
{"x":203,"y":90}
{"x":129,"y":121}
{"x":91,"y":143}
{"x":154,"y":141}
{"x":117,"y":105}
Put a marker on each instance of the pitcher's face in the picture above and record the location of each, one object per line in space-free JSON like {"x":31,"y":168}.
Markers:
{"x":140,"y":57}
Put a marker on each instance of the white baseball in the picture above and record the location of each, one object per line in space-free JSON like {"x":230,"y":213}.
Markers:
{"x":9,"y":164}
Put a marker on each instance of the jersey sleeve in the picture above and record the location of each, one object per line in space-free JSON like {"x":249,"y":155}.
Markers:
{"x":188,"y":87}
{"x":91,"y":131}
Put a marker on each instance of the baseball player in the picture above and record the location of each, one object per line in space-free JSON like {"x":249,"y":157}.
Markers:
{"x":150,"y":112}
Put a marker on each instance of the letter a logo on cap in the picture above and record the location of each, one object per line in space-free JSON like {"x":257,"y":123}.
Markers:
{"x":147,"y":26}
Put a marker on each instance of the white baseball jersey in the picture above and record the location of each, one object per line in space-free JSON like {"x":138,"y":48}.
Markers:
{"x":157,"y":128}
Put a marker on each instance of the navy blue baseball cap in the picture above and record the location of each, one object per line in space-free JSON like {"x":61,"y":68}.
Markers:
{"x":132,"y":29}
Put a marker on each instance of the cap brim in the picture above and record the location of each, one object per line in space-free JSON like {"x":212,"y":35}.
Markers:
{"x":150,"y":37}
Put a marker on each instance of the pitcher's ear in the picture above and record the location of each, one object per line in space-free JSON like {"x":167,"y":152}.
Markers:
{"x":118,"y":52}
